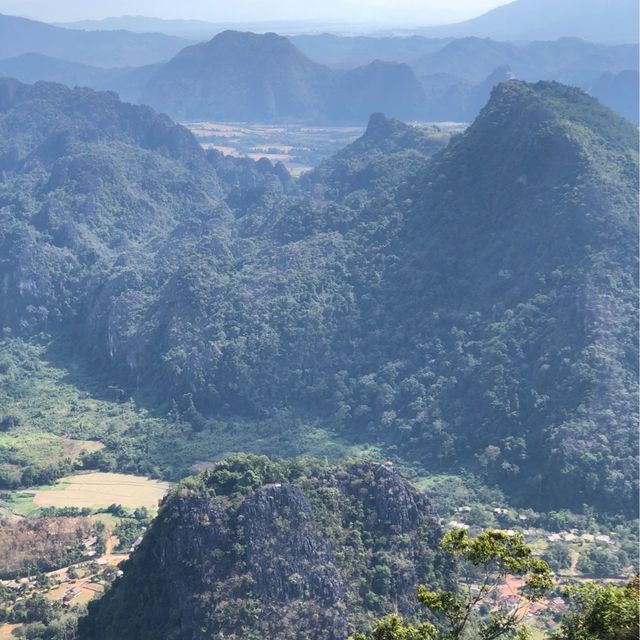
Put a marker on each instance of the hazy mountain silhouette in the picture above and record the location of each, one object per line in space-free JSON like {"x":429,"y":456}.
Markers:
{"x":620,"y":92}
{"x":97,"y":48}
{"x":610,"y":21}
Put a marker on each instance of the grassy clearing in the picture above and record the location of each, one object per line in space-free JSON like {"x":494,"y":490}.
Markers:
{"x":62,"y":412}
{"x":96,"y":490}
{"x":58,"y":413}
{"x":110,"y":521}
{"x":29,"y":446}
{"x":21,"y":504}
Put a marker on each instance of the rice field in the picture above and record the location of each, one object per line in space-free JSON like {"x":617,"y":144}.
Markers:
{"x":298,"y":147}
{"x":98,"y":489}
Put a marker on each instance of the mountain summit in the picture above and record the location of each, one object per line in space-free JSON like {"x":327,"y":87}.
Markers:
{"x":521,"y":241}
{"x":239,"y":76}
{"x":264,"y":77}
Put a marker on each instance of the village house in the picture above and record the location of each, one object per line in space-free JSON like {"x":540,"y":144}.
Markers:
{"x":90,"y":542}
{"x":70,"y":595}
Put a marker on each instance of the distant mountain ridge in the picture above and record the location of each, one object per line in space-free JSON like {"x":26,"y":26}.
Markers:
{"x":240,"y":76}
{"x":20,"y":36}
{"x":188,"y":29}
{"x":346,"y":52}
{"x":606,"y":21}
{"x":246,"y":76}
{"x":567,"y":60}
{"x":33,"y":67}
{"x":620,"y":92}
{"x":196,"y":30}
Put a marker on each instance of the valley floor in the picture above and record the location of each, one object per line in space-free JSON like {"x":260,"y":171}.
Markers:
{"x":97,"y":458}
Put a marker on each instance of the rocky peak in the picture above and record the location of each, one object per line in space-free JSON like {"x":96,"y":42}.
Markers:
{"x":256,"y":548}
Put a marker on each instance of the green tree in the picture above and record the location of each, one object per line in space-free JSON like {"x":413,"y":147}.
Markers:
{"x":558,"y":556}
{"x":488,"y":560}
{"x":393,"y":627}
{"x":601,"y":612}
{"x":601,"y":562}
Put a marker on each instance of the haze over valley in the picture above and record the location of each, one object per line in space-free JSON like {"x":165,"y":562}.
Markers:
{"x":320,"y":328}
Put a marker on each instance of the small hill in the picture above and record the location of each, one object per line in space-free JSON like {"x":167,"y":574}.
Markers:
{"x":19,"y":36}
{"x":387,"y":154}
{"x":275,"y":550}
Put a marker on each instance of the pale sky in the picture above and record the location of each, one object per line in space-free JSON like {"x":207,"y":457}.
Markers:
{"x":392,"y":11}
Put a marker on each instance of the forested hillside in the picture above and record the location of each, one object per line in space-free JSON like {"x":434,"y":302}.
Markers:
{"x":511,"y":289}
{"x":256,"y":549}
{"x":474,"y":308}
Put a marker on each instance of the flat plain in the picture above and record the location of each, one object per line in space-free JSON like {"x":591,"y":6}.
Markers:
{"x":298,"y":147}
{"x":98,"y":489}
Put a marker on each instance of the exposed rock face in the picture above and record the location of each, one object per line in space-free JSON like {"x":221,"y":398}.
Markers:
{"x":307,"y":557}
{"x":396,"y":502}
{"x":283,"y":515}
{"x":291,"y":561}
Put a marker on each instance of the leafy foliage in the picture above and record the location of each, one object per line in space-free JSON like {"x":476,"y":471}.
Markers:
{"x":493,"y":556}
{"x":601,"y":562}
{"x":601,"y":612}
{"x":496,"y":555}
{"x":393,"y":627}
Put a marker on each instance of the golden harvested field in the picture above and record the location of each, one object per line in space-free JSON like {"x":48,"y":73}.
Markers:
{"x":101,"y":490}
{"x":298,"y":147}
